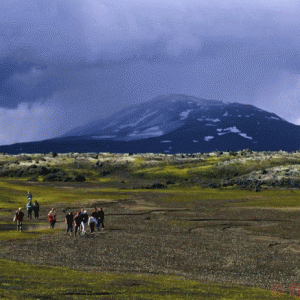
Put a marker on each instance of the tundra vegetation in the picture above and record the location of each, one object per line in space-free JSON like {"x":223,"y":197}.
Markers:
{"x":220,"y":225}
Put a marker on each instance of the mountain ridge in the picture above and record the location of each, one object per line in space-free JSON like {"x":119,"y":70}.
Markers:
{"x":178,"y":124}
{"x":159,"y":100}
{"x":157,"y":117}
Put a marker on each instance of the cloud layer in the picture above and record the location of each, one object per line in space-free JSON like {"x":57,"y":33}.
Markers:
{"x":65,"y":63}
{"x":28,"y":124}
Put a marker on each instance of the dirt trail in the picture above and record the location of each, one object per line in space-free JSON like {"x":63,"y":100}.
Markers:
{"x":257,"y":247}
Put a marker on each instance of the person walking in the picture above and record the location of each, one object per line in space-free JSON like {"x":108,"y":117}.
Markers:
{"x":29,"y":209}
{"x":92,"y":222}
{"x":69,"y":221}
{"x":84,"y":220}
{"x":29,"y":196}
{"x":77,"y":222}
{"x":19,"y":218}
{"x":95,"y":215}
{"x":36,"y":209}
{"x":101,"y":218}
{"x":52,"y":218}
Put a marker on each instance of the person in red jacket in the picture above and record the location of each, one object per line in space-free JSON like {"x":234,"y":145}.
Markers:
{"x":52,"y":218}
{"x":19,"y":218}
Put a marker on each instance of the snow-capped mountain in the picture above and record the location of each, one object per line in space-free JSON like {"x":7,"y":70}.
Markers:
{"x":188,"y":123}
{"x":177,"y":124}
{"x":151,"y":119}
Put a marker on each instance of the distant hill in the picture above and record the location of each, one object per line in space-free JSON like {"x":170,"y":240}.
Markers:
{"x":175,"y":124}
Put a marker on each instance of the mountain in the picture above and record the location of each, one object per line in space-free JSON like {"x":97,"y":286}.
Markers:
{"x":150,"y":119}
{"x":176,"y":124}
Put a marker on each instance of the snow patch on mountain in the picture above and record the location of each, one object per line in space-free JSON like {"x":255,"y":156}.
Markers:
{"x":274,"y":118}
{"x":229,"y":129}
{"x":233,"y":130}
{"x":151,"y":129}
{"x":185,"y":114}
{"x":245,"y":136}
{"x":213,"y":120}
{"x":138,"y":121}
{"x":103,"y":136}
{"x":149,"y":132}
{"x":208,"y":120}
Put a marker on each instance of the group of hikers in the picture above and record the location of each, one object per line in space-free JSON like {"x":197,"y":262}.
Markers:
{"x":80,"y":220}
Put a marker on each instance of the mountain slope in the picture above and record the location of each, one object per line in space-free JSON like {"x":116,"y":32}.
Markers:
{"x":176,"y":124}
{"x":150,"y":119}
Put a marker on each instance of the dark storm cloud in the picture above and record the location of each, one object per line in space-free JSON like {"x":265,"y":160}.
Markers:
{"x":73,"y":61}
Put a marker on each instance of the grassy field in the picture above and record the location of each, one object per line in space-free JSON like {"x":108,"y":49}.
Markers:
{"x":179,"y":223}
{"x":13,"y":235}
{"x":13,"y":194}
{"x":22,"y":281}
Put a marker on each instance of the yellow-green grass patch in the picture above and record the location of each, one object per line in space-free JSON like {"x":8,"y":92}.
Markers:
{"x":162,"y":172}
{"x":196,"y":193}
{"x":18,"y":235}
{"x":22,"y":281}
{"x":104,"y":179}
{"x":138,"y":161}
{"x":13,"y":195}
{"x":266,"y":198}
{"x":272,"y":198}
{"x":5,"y":213}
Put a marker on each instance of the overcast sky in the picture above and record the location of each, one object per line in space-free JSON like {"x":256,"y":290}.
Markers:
{"x":64,"y":63}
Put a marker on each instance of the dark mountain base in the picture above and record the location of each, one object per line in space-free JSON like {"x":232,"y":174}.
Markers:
{"x":151,"y":145}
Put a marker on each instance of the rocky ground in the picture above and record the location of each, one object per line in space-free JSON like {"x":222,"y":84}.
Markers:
{"x":202,"y":240}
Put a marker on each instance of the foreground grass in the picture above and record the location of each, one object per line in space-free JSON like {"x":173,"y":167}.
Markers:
{"x":17,"y":235}
{"x":23,"y":281}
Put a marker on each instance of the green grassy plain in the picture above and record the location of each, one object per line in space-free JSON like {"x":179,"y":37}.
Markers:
{"x":13,"y":195}
{"x":22,"y":281}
